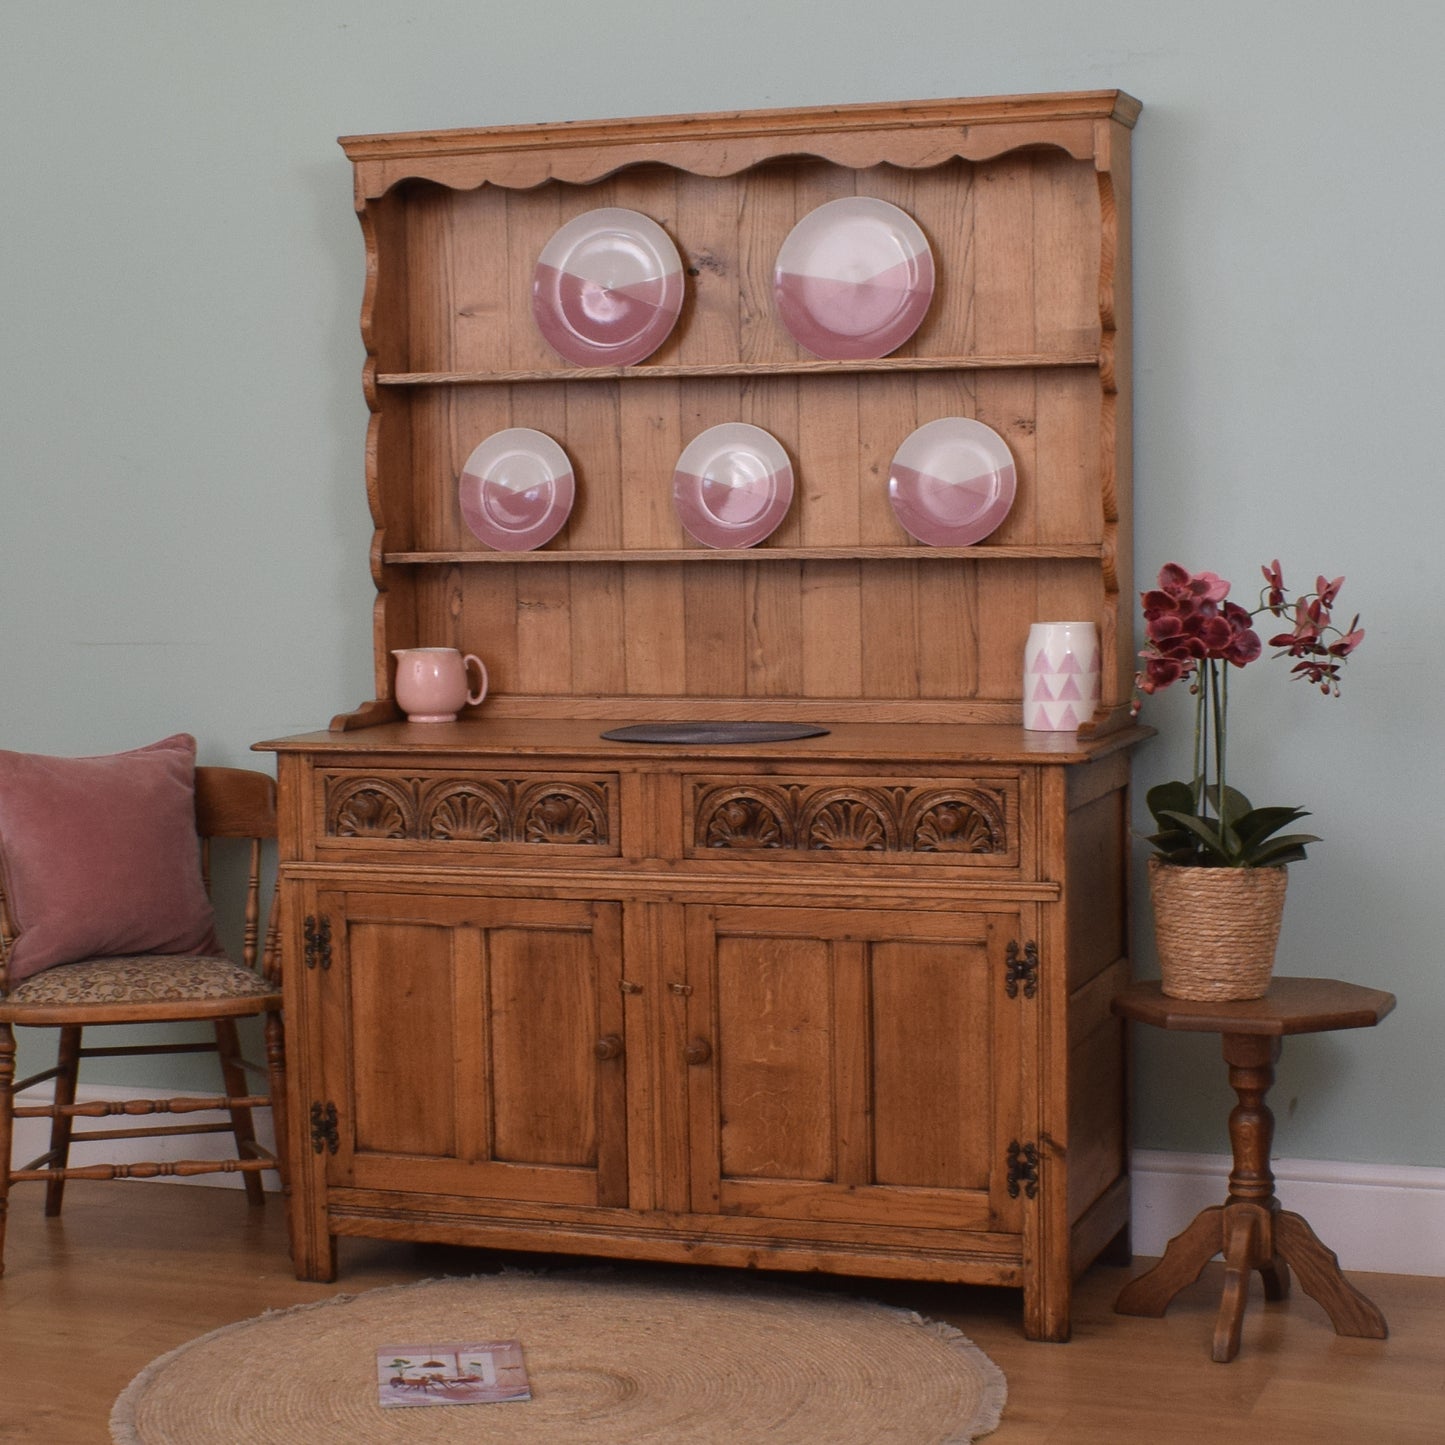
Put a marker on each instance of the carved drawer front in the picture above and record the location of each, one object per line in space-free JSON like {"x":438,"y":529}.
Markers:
{"x":968,"y":823}
{"x":483,"y":810}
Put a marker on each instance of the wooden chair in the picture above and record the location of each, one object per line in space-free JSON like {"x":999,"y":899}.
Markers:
{"x":231,"y":803}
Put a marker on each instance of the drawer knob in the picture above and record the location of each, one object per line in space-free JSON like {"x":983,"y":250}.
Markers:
{"x":609,"y":1046}
{"x":698,"y":1051}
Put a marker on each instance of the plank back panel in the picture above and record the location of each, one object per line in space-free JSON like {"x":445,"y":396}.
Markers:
{"x":730,"y":629}
{"x":840,"y":438}
{"x":1015,"y":241}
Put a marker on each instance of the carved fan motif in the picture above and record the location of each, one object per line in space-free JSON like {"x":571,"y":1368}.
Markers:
{"x":560,"y":818}
{"x":744,"y":823}
{"x":369,"y":812}
{"x":848,"y":825}
{"x":464,"y":814}
{"x":959,"y":826}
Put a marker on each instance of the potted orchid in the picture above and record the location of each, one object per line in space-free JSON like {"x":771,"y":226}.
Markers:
{"x":1217,"y":876}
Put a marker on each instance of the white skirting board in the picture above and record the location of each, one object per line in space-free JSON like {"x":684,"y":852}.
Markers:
{"x":1380,"y":1218}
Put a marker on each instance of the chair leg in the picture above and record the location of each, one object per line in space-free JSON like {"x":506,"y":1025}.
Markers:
{"x":62,"y":1126}
{"x":242,"y":1125}
{"x":276,"y":1081}
{"x":7,"y":1125}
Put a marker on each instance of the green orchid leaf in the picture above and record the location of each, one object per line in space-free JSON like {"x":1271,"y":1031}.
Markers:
{"x":1173,"y":797}
{"x":1206,"y":830}
{"x":1177,"y":847}
{"x":1258,"y":825}
{"x":1239,"y":805}
{"x":1288,"y":849}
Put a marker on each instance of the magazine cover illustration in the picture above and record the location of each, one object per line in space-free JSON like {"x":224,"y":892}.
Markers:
{"x":451,"y":1374}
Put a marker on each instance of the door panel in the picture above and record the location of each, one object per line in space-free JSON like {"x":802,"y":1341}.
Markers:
{"x":402,"y":1103}
{"x":461,"y":1046}
{"x":931,"y":1027}
{"x":851,"y":1068}
{"x":774,"y":1084}
{"x":542,"y":1027}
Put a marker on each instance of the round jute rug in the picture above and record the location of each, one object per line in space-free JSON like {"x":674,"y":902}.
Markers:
{"x":612,"y":1359}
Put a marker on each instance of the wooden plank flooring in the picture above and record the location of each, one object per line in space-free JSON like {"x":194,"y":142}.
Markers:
{"x":131,"y":1271}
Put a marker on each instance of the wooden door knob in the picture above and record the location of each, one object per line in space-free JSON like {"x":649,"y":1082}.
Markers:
{"x":698,"y":1051}
{"x":609,"y":1046}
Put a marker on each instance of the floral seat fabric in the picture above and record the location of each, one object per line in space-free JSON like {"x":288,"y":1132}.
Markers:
{"x":140,"y":978}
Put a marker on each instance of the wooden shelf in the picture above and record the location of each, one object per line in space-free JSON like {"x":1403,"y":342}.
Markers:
{"x":1061,"y":551}
{"x":742,"y":369}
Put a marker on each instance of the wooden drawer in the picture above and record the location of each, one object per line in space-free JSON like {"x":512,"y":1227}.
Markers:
{"x":453,"y":811}
{"x":955,"y":822}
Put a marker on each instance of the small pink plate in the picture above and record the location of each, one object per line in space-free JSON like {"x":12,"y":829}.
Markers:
{"x":607,"y":288}
{"x":952,"y":482}
{"x":853,"y":279}
{"x":733,"y":485}
{"x":516,"y":489}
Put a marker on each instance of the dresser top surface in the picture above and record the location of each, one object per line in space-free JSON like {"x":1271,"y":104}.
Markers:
{"x":928,"y":744}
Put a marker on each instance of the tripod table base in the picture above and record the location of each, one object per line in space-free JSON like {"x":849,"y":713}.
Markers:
{"x":1249,"y":1229}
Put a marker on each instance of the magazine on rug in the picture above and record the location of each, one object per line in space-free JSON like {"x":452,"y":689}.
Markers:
{"x":451,"y":1374}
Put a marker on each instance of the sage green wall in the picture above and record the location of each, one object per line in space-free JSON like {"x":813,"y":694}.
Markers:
{"x":183,"y":534}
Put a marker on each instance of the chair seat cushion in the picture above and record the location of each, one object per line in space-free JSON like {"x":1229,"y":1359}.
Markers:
{"x":140,"y":979}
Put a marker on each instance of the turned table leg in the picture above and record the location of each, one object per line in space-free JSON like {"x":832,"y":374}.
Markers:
{"x":1249,"y":1229}
{"x":1249,"y":1212}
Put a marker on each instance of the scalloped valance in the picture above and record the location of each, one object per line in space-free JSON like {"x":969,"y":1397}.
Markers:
{"x":914,"y":136}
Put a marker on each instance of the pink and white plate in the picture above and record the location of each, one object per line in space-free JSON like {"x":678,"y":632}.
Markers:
{"x":516,"y":489}
{"x":733,"y":485}
{"x":853,"y":280}
{"x":952,"y":482}
{"x":607,"y":288}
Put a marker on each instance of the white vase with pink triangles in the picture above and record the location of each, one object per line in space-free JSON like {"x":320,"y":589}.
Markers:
{"x":1061,"y":676}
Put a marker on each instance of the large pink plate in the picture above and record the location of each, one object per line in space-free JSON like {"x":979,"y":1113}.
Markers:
{"x":733,"y":485}
{"x":952,"y":482}
{"x":516,"y":489}
{"x":607,"y":288}
{"x":853,"y":280}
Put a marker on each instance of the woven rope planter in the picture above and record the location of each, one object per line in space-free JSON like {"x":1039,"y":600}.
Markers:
{"x":1216,"y":929}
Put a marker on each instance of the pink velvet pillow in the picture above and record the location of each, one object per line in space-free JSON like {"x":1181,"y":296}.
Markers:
{"x":100,"y":856}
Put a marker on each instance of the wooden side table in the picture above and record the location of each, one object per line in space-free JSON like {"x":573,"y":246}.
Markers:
{"x":1249,"y":1228}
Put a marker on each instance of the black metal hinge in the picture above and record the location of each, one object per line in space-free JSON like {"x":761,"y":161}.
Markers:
{"x":1023,"y":1169}
{"x":318,"y":941}
{"x":323,"y":1128}
{"x":1021,"y":967}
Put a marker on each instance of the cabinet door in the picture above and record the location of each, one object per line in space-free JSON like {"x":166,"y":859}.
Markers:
{"x":855,"y":1065}
{"x":472,"y":1046}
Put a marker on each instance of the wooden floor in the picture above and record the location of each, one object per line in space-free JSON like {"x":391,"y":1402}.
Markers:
{"x":132,"y":1270}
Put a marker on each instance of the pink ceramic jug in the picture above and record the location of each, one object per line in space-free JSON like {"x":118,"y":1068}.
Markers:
{"x":431,"y":682}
